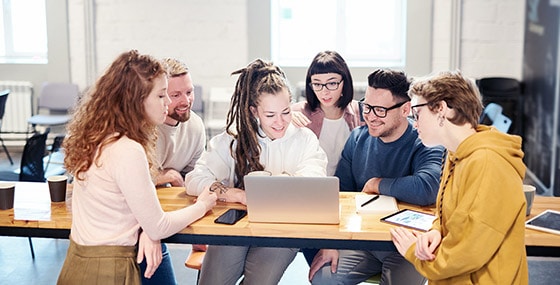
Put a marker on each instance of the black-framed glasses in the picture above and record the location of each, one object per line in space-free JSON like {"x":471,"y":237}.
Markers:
{"x":379,"y":111}
{"x":414,"y":112}
{"x":329,"y":85}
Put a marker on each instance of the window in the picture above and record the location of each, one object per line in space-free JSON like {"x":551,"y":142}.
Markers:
{"x":365,"y":32}
{"x":23,"y":31}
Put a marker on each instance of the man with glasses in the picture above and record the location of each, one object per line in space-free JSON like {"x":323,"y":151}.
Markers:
{"x":383,"y":157}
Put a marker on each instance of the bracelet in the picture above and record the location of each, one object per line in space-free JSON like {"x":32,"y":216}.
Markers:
{"x":222,"y":189}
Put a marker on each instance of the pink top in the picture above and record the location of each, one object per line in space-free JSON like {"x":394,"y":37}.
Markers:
{"x":118,"y":197}
{"x":351,"y":116}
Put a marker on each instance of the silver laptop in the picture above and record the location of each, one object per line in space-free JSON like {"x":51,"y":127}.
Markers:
{"x":292,"y":199}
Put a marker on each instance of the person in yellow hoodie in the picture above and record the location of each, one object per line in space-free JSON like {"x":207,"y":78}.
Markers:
{"x":478,"y":234}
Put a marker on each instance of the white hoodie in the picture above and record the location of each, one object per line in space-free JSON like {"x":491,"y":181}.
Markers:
{"x":297,"y":153}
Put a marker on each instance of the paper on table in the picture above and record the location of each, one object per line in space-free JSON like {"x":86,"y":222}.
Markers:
{"x":32,"y":201}
{"x":384,"y":204}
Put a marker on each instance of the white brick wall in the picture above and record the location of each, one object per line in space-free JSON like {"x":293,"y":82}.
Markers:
{"x":491,"y":41}
{"x":211,"y":35}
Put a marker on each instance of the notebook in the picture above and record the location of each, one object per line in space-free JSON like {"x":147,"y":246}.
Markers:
{"x":292,"y":199}
{"x":382,"y":205}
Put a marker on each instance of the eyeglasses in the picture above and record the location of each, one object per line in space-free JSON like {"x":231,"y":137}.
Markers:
{"x":379,"y":111}
{"x":414,"y":112}
{"x":329,"y":85}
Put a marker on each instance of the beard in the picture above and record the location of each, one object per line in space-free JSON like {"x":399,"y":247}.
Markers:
{"x":387,"y":132}
{"x":181,"y":118}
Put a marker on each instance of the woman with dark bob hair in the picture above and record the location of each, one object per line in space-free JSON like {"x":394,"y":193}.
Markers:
{"x":329,"y":110}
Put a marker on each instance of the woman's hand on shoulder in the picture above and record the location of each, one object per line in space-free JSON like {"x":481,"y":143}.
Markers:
{"x":299,"y":119}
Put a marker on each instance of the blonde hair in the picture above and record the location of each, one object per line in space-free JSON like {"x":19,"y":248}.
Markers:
{"x":175,"y":67}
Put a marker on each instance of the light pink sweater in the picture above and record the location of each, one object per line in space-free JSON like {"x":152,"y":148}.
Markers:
{"x":118,"y":197}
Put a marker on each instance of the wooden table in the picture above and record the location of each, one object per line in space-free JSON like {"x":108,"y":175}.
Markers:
{"x":355,"y":231}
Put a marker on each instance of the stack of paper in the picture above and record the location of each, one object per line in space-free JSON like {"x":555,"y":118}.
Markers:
{"x":32,"y":201}
{"x":383,"y":204}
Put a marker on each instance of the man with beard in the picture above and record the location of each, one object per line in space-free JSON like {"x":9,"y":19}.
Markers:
{"x":181,"y":139}
{"x":383,"y":157}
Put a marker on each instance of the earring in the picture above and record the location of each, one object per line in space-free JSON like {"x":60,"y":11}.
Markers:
{"x":440,"y":119}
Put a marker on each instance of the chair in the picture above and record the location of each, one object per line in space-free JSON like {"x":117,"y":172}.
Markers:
{"x":492,"y":115}
{"x":508,"y":93}
{"x":54,"y":150}
{"x":31,"y":167}
{"x":216,"y":109}
{"x":57,"y":99}
{"x":3,"y":98}
{"x":195,"y":258}
{"x":198,"y":104}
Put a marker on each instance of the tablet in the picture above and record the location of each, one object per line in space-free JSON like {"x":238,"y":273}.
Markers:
{"x":411,"y":219}
{"x":548,"y":221}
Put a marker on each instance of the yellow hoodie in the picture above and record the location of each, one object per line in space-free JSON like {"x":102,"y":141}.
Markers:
{"x":483,"y":214}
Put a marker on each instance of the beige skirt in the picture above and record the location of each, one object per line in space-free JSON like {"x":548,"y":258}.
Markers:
{"x":99,"y":265}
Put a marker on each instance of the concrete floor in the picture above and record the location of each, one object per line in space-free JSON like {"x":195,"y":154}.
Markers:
{"x":17,"y":266}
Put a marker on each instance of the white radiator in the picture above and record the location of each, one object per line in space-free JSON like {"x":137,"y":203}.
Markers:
{"x":19,"y":107}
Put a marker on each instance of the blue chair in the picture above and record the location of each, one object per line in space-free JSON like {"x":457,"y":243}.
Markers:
{"x":492,"y":115}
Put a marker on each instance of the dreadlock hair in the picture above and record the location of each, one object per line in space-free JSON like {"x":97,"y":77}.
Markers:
{"x":257,"y":78}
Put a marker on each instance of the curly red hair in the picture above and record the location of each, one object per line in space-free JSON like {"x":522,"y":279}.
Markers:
{"x":112,"y":108}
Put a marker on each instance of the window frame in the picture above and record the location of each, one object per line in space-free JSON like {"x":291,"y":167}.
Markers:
{"x":340,"y":40}
{"x":10,"y":55}
{"x":418,"y":40}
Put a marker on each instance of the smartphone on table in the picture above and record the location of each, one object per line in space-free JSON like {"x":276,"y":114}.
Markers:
{"x":231,"y":216}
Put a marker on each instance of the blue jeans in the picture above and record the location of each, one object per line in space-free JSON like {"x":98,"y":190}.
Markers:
{"x":164,"y":274}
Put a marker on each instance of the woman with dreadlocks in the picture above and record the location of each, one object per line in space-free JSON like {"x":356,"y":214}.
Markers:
{"x":258,"y":136}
